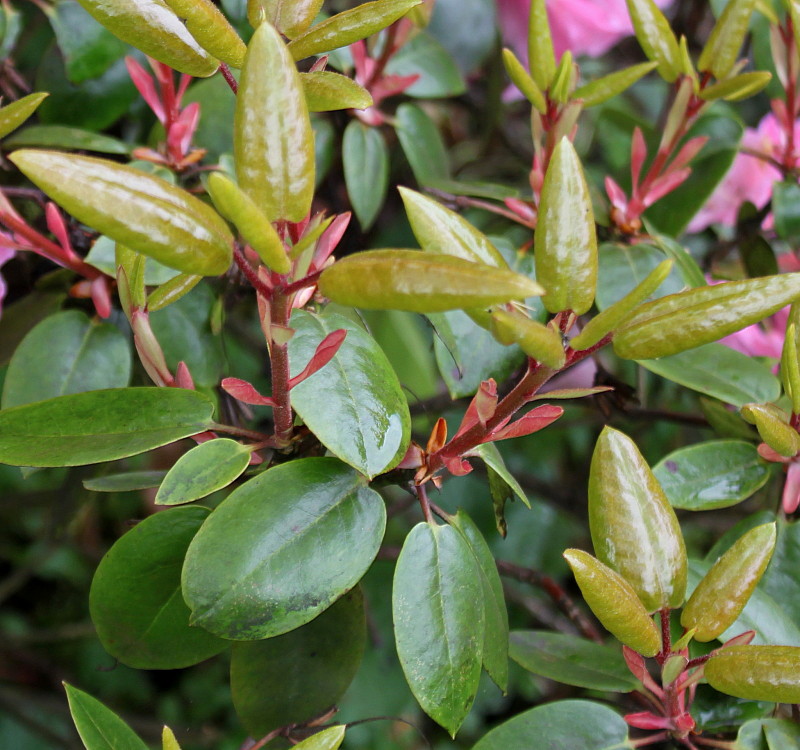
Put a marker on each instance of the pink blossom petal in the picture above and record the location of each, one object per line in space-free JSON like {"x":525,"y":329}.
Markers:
{"x":791,"y":490}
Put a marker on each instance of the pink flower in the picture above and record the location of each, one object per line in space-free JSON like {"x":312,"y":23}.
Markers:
{"x":586,"y":27}
{"x":749,"y":178}
{"x":6,"y":254}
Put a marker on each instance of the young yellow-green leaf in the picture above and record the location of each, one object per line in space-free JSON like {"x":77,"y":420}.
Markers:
{"x":612,"y":316}
{"x":152,"y":27}
{"x":524,"y":81}
{"x":256,"y":230}
{"x":14,"y":114}
{"x":365,"y":159}
{"x":168,"y":741}
{"x":171,"y":291}
{"x":204,"y":469}
{"x":438,"y":621}
{"x":87,"y":428}
{"x":99,"y":727}
{"x":327,"y":91}
{"x":135,"y":600}
{"x":564,"y":80}
{"x":773,"y":426}
{"x":726,"y":588}
{"x":420,"y":282}
{"x":291,"y":18}
{"x":699,"y":316}
{"x":790,"y":362}
{"x":538,"y":341}
{"x":756,"y":673}
{"x":565,"y":243}
{"x":656,"y":37}
{"x":541,"y":56}
{"x":614,"y":603}
{"x":737,"y":88}
{"x":634,"y":529}
{"x":345,"y":28}
{"x":336,"y":526}
{"x":722,"y":48}
{"x":273,"y":142}
{"x":794,"y":13}
{"x":211,"y":29}
{"x":609,"y":86}
{"x":327,"y":739}
{"x":136,"y":209}
{"x":440,"y":230}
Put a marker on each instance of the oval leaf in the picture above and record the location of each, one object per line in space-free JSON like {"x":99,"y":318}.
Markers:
{"x":135,"y":600}
{"x":99,"y":727}
{"x":354,"y":404}
{"x":327,"y":91}
{"x":312,"y":519}
{"x":758,"y":673}
{"x":439,"y":630}
{"x":86,"y":428}
{"x":136,"y":209}
{"x":365,"y":158}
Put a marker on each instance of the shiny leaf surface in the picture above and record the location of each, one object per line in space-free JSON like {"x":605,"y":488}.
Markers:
{"x":365,"y":158}
{"x":211,"y":29}
{"x":326,"y":91}
{"x":290,"y":19}
{"x":14,"y":114}
{"x":656,"y":37}
{"x":99,"y":727}
{"x":762,"y":673}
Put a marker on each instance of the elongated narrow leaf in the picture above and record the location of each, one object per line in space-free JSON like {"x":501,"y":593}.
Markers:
{"x":722,"y":48}
{"x":327,"y":91}
{"x":290,"y":19}
{"x":577,"y":725}
{"x":422,"y":144}
{"x":607,"y":87}
{"x":656,"y":37}
{"x":99,"y":727}
{"x":152,"y":27}
{"x":206,"y":468}
{"x":420,"y":282}
{"x":127,"y":482}
{"x":495,"y":616}
{"x":541,"y":56}
{"x":765,"y":673}
{"x":66,"y":353}
{"x":350,"y":26}
{"x":135,"y":600}
{"x":438,"y":621}
{"x":273,"y":142}
{"x":572,"y":660}
{"x":294,"y":677}
{"x":69,"y":139}
{"x":354,"y":404}
{"x":211,"y":29}
{"x":136,"y":209}
{"x":312,"y":519}
{"x":86,"y":428}
{"x":14,"y":114}
{"x":365,"y":158}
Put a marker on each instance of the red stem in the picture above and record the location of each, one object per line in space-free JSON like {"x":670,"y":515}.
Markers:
{"x":229,"y":79}
{"x":251,"y":274}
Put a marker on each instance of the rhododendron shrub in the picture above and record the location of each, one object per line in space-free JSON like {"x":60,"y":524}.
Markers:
{"x":345,"y":404}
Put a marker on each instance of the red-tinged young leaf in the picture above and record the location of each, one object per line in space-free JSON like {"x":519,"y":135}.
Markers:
{"x":438,"y":436}
{"x":323,"y":354}
{"x":243,"y":391}
{"x":535,"y":420}
{"x":481,"y":408}
{"x":638,"y":668}
{"x":648,"y":720}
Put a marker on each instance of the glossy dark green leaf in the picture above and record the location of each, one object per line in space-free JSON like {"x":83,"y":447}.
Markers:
{"x":577,"y":725}
{"x":86,"y":428}
{"x":768,"y":734}
{"x":354,"y":404}
{"x":142,"y":212}
{"x":424,"y":55}
{"x":785,"y":202}
{"x":686,"y":265}
{"x":71,"y":139}
{"x":294,"y":677}
{"x":495,"y":616}
{"x":88,"y":48}
{"x":204,"y":469}
{"x":781,"y":580}
{"x":66,"y":353}
{"x":572,"y":660}
{"x":365,"y":158}
{"x":721,"y":372}
{"x":14,"y":114}
{"x":466,"y":29}
{"x":22,"y":316}
{"x":126,"y":482}
{"x":135,"y":600}
{"x":326,"y":91}
{"x":422,"y":144}
{"x":312,"y":519}
{"x":99,"y":727}
{"x":714,"y":474}
{"x":272,"y":138}
{"x":439,"y":630}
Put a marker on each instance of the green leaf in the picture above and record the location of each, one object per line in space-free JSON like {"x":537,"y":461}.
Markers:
{"x":102,"y":256}
{"x":14,"y":114}
{"x":204,"y":469}
{"x":294,"y":677}
{"x":420,"y":282}
{"x":135,"y":600}
{"x":656,"y":37}
{"x":779,"y":734}
{"x":541,"y":56}
{"x":502,"y":484}
{"x":312,"y":519}
{"x":718,"y":371}
{"x":211,"y":29}
{"x":345,"y":28}
{"x":272,"y":137}
{"x":86,"y":428}
{"x":365,"y":158}
{"x":690,"y":272}
{"x":422,"y":144}
{"x":722,"y":48}
{"x":354,"y":404}
{"x":495,"y":616}
{"x":142,"y":212}
{"x":88,"y":48}
{"x":439,"y":630}
{"x":785,"y":202}
{"x":609,"y":86}
{"x":765,"y":673}
{"x":714,"y":474}
{"x":781,"y":581}
{"x":63,"y":137}
{"x":150,"y":25}
{"x":99,"y":727}
{"x":290,"y":19}
{"x":327,"y":739}
{"x":424,"y":55}
{"x":128,"y":481}
{"x":66,"y":353}
{"x":577,"y":725}
{"x":20,"y":317}
{"x":326,"y":91}
{"x":572,"y":660}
